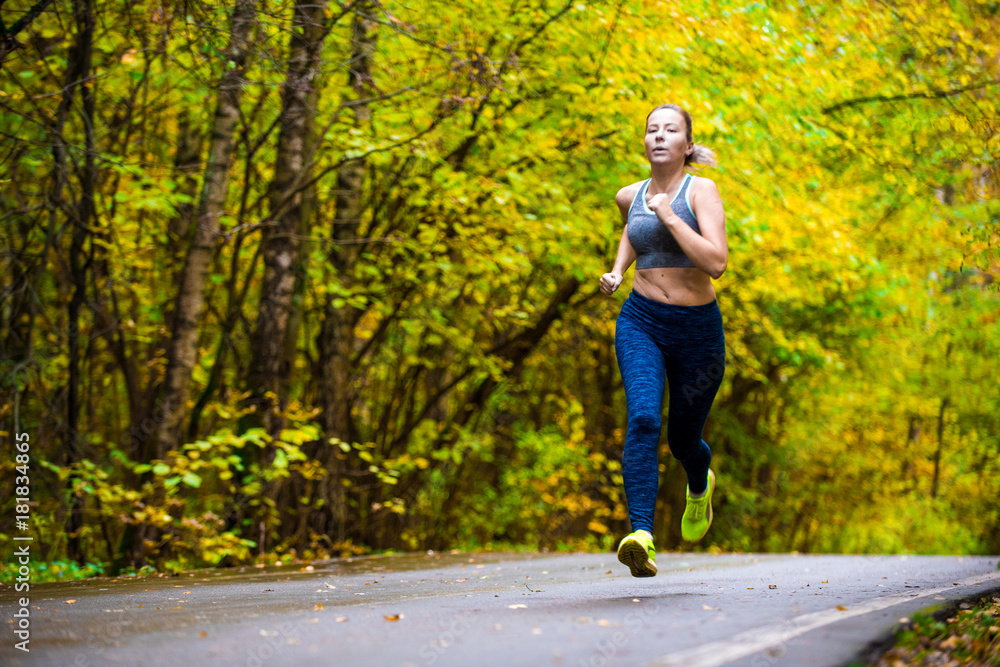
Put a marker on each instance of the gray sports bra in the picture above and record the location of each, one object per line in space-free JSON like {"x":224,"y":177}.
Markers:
{"x":654,"y":244}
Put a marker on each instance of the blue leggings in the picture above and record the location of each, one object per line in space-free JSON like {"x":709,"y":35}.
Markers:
{"x":685,"y":347}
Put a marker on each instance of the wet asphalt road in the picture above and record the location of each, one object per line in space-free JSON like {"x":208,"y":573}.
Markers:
{"x":495,"y":609}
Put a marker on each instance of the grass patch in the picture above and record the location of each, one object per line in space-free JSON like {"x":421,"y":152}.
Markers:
{"x":63,"y":570}
{"x":968,"y":635}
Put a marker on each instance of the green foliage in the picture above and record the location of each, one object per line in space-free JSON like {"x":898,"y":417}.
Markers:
{"x":59,"y":570}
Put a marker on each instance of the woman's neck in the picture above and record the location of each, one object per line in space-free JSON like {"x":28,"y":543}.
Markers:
{"x":665,"y":178}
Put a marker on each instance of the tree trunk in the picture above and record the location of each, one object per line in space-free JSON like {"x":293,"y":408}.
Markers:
{"x":187,"y":160}
{"x":945,"y":401}
{"x":336,"y":337}
{"x":307,"y":213}
{"x":940,"y":445}
{"x":78,"y":70}
{"x":182,"y":352}
{"x":269,"y":372}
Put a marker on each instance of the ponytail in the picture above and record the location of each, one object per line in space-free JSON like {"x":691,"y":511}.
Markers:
{"x":701,"y":155}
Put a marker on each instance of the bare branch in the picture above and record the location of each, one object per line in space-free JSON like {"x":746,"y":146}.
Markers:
{"x":928,"y":94}
{"x":8,"y":42}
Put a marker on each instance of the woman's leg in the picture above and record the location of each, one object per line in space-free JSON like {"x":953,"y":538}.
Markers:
{"x":694,"y":374}
{"x":642,"y":368}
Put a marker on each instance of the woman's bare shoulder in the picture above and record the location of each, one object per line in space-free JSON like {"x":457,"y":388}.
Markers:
{"x":703,"y":184}
{"x":626,"y":195}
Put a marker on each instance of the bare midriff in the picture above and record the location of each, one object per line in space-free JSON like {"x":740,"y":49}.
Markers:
{"x":680,"y":286}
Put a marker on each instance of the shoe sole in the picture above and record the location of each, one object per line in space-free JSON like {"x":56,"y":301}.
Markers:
{"x":711,"y":490}
{"x":634,"y":555}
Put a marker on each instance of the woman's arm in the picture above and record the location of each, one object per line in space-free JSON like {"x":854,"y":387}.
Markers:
{"x":709,"y":250}
{"x":626,"y":253}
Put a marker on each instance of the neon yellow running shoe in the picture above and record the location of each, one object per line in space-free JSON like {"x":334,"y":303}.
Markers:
{"x":636,"y":551}
{"x":698,"y":513}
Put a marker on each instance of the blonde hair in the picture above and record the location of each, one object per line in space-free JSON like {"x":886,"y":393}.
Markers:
{"x":701,"y":154}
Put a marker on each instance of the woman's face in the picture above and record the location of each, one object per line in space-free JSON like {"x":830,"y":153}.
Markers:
{"x":666,"y":137}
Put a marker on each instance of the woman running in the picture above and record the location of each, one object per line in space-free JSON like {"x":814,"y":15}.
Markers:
{"x":669,"y":330}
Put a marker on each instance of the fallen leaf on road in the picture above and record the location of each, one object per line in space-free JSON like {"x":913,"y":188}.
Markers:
{"x":394,"y":617}
{"x":841,"y":607}
{"x":317,"y":607}
{"x":608,"y":572}
{"x":313,"y":621}
{"x":178,"y":607}
{"x":604,"y":622}
{"x":70,"y":601}
{"x":460,"y":580}
{"x":772,"y":586}
{"x":329,"y":586}
{"x":749,"y":588}
{"x":517,"y":606}
{"x":340,"y":619}
{"x":707,"y":608}
{"x":825,"y":582}
{"x":202,"y":634}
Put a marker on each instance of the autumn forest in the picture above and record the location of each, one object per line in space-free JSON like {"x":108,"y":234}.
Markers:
{"x":292,"y":280}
